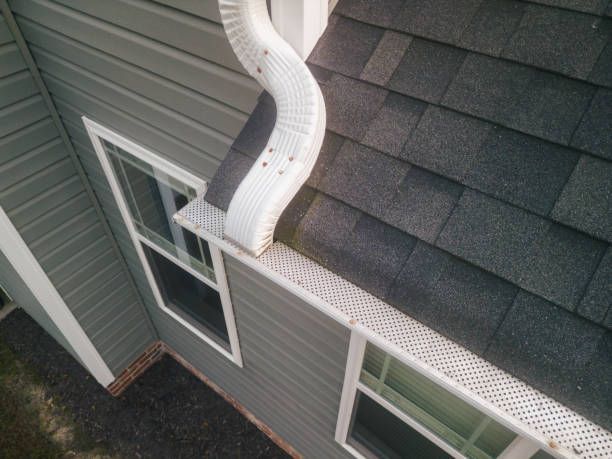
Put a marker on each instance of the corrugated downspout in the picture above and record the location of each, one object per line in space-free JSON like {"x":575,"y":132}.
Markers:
{"x":293,"y":147}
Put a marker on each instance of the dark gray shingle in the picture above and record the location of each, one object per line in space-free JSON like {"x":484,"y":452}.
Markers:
{"x":443,"y":20}
{"x":337,"y":49}
{"x":325,"y":229}
{"x":597,"y":300}
{"x":562,"y":41}
{"x":595,"y":131}
{"x":354,"y":177}
{"x":293,"y":214}
{"x":386,"y":58}
{"x":491,"y":234}
{"x":550,"y":107}
{"x":379,"y":253}
{"x":358,"y":247}
{"x":254,"y":135}
{"x":422,"y":204}
{"x":485,"y":86}
{"x":593,"y":396}
{"x":586,"y":201}
{"x":446,"y":142}
{"x":331,"y":144}
{"x":560,"y":265}
{"x":454,"y":298}
{"x":321,"y":75}
{"x":394,"y":123}
{"x":545,"y":345}
{"x":492,"y":26}
{"x":529,"y":100}
{"x":602,"y":72}
{"x":587,"y":6}
{"x":522,"y":170}
{"x":350,"y":105}
{"x":379,"y":12}
{"x":230,"y":173}
{"x":426,"y":70}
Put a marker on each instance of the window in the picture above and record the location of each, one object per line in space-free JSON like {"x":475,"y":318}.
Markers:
{"x":391,"y":410}
{"x":186,"y":272}
{"x":4,"y":297}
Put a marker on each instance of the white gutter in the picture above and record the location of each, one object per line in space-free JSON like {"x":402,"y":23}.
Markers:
{"x":293,"y":147}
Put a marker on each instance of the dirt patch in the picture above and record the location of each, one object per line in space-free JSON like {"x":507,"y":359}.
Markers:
{"x":166,"y":413}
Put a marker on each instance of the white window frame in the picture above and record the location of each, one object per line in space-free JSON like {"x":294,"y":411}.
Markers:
{"x":520,"y":448}
{"x":97,"y":132}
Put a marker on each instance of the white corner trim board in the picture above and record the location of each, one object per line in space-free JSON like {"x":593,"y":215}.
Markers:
{"x":21,"y":258}
{"x":292,"y":150}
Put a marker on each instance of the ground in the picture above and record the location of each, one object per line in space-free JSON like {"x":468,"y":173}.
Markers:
{"x":51,"y":408}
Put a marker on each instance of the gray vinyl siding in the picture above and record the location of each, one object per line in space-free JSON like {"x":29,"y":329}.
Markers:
{"x":45,"y":199}
{"x":294,"y":361}
{"x":161,"y":73}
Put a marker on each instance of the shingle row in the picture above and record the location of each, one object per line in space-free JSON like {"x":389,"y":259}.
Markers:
{"x":523,"y":333}
{"x":520,"y":97}
{"x":545,"y":34}
{"x":519,"y":169}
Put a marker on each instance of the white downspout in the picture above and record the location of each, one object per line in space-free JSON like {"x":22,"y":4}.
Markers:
{"x":292,"y":150}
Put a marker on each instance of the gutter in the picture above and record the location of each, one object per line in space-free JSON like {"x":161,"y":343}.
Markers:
{"x":292,"y":150}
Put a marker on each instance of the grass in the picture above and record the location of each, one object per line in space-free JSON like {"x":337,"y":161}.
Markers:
{"x":33,"y":425}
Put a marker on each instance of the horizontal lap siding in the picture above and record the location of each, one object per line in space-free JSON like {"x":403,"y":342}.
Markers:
{"x":157,"y":74}
{"x":46,"y":201}
{"x":294,"y":360}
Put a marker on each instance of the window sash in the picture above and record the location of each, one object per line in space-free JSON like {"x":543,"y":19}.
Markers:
{"x":454,"y":420}
{"x":523,"y":446}
{"x":98,"y":134}
{"x":117,"y":157}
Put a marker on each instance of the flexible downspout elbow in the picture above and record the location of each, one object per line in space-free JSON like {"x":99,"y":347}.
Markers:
{"x":292,"y":150}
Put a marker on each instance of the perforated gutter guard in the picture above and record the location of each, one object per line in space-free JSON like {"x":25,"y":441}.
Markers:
{"x":293,"y":147}
{"x":557,"y":429}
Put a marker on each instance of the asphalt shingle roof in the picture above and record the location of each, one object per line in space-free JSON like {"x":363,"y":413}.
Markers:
{"x":466,"y":177}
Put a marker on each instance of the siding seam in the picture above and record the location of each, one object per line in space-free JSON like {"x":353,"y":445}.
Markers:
{"x":31,"y":64}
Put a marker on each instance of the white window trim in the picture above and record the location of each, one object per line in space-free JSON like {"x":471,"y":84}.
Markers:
{"x":521,"y":447}
{"x":22,"y":259}
{"x":96,"y":132}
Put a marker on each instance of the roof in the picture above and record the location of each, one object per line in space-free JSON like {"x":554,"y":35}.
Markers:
{"x":466,"y":178}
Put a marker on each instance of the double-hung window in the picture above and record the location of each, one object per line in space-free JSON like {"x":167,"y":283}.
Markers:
{"x":185,"y":272}
{"x":391,"y":410}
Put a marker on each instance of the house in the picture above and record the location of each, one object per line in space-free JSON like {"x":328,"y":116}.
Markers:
{"x":415,"y":264}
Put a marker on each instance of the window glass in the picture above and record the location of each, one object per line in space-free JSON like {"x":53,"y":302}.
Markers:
{"x":376,"y":433}
{"x":188,"y":295}
{"x":153,"y":197}
{"x":542,"y":455}
{"x":458,"y":423}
